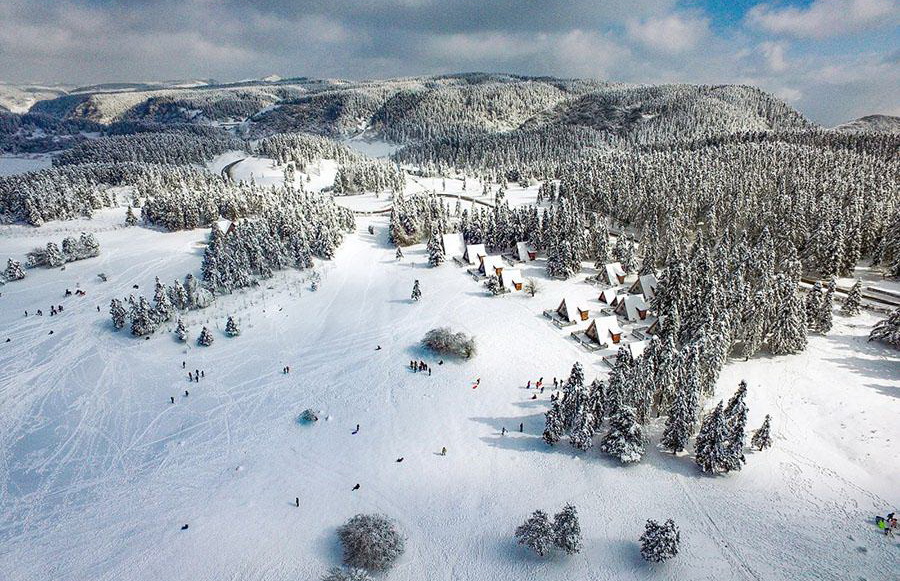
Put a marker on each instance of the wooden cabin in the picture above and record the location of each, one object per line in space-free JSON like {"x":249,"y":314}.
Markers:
{"x":610,"y":296}
{"x":511,"y":279}
{"x":474,"y":254}
{"x":491,"y":265}
{"x":615,"y":274}
{"x":454,"y":245}
{"x":605,"y":330}
{"x":633,"y":308}
{"x":572,"y":311}
{"x":645,"y":285}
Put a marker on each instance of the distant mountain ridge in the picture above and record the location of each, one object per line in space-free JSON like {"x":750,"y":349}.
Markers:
{"x":871,"y":124}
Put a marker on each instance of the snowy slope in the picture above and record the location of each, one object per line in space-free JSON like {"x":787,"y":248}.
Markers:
{"x":100,"y":471}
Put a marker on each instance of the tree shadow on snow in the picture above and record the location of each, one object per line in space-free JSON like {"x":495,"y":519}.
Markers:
{"x":329,"y":546}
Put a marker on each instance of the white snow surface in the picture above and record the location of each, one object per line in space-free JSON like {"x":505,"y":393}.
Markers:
{"x":11,"y":165}
{"x":99,"y":471}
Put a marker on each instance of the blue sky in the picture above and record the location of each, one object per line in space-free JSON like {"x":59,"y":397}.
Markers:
{"x":832,"y":59}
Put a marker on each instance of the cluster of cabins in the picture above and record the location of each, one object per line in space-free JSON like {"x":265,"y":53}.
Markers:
{"x":483,"y":264}
{"x":621,"y":302}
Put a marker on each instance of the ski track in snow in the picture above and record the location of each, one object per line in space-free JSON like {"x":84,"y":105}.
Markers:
{"x":99,"y":470}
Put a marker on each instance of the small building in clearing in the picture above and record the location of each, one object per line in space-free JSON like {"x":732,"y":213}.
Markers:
{"x":645,"y":285}
{"x":610,"y":296}
{"x":605,"y":330}
{"x":226,"y":226}
{"x":615,"y":274}
{"x":633,"y":308}
{"x":454,"y":245}
{"x":637,"y":348}
{"x":523,"y":253}
{"x":572,"y":311}
{"x":474,"y":253}
{"x":491,"y":265}
{"x":511,"y":279}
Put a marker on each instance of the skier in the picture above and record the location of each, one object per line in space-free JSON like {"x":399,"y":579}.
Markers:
{"x":444,"y":451}
{"x":172,"y":399}
{"x":356,"y":431}
{"x":356,"y":487}
{"x":98,"y":308}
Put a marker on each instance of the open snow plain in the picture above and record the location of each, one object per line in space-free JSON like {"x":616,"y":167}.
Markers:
{"x":99,"y":471}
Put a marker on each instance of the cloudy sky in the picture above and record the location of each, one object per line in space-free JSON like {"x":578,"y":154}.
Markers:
{"x":833,"y":59}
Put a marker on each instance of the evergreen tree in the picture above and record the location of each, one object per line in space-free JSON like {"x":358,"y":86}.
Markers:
{"x":54,"y":256}
{"x":143,"y":319}
{"x":888,"y":330}
{"x":789,"y":323}
{"x":761,"y":438}
{"x":682,"y":413}
{"x":711,"y":450}
{"x":13,"y":271}
{"x":826,"y":309}
{"x":181,"y":331}
{"x":231,"y":328}
{"x":416,"y":291}
{"x":117,"y":311}
{"x":163,"y":308}
{"x":536,"y":533}
{"x":130,"y":218}
{"x":813,"y":306}
{"x":625,"y":438}
{"x":567,"y":530}
{"x":554,"y":424}
{"x":736,"y":421}
{"x":206,"y":338}
{"x":660,"y":541}
{"x":88,"y":246}
{"x":852,"y":304}
{"x":435,"y":249}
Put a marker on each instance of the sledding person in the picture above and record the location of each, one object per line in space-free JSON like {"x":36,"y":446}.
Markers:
{"x":68,"y":293}
{"x":443,"y":450}
{"x":378,"y":348}
{"x":356,"y":431}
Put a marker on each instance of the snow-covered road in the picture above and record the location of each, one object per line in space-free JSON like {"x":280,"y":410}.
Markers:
{"x":99,"y":471}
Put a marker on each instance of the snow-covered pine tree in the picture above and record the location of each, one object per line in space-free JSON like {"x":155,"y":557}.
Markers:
{"x":13,"y":271}
{"x":130,"y":218}
{"x":162,"y":305}
{"x":178,"y":296}
{"x":789,"y":323}
{"x":435,"y":249}
{"x":853,"y":302}
{"x":826,"y":308}
{"x":888,"y":330}
{"x":761,"y":438}
{"x":736,"y":421}
{"x":536,"y":533}
{"x":813,"y":306}
{"x":660,"y":541}
{"x":70,"y":249}
{"x":567,"y":530}
{"x":88,"y":246}
{"x":416,"y":291}
{"x":205,"y":338}
{"x":181,"y":331}
{"x":493,"y":285}
{"x":583,"y":424}
{"x":711,"y":450}
{"x":629,"y":260}
{"x":625,"y":438}
{"x":685,"y":403}
{"x":143,"y":319}
{"x":54,"y":255}
{"x":554,"y":427}
{"x":117,"y":311}
{"x":231,"y":328}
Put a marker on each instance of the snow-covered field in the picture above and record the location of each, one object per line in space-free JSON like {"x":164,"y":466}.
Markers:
{"x":16,"y":164}
{"x":99,"y":471}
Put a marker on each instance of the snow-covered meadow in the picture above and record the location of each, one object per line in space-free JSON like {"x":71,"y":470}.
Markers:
{"x":100,"y":471}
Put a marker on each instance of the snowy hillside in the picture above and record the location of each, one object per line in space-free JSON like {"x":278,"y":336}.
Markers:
{"x":101,"y":471}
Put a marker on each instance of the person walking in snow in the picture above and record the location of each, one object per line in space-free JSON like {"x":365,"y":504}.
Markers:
{"x":521,"y":427}
{"x":183,"y":364}
{"x":356,"y":431}
{"x":443,"y":450}
{"x":399,"y":254}
{"x":172,"y":399}
{"x":528,"y":385}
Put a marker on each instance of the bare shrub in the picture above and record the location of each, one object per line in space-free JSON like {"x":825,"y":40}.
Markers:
{"x":443,"y":340}
{"x":371,"y":541}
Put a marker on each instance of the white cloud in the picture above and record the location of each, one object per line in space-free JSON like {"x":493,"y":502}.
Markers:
{"x":673,"y":33}
{"x":774,"y":55}
{"x":824,"y":18}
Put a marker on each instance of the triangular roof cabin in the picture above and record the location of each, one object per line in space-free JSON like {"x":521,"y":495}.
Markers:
{"x":474,"y":253}
{"x":511,"y":278}
{"x":633,"y":308}
{"x":523,"y":253}
{"x":615,"y":274}
{"x":226,"y":226}
{"x":605,"y":330}
{"x":454,"y":245}
{"x":645,"y":285}
{"x":572,"y":310}
{"x":610,"y":296}
{"x":491,"y":265}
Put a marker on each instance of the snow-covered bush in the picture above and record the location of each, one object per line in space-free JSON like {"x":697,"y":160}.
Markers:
{"x":13,"y":271}
{"x":346,"y":574}
{"x":443,"y":340}
{"x":371,"y":541}
{"x":493,"y":285}
{"x":181,"y":331}
{"x":660,"y":541}
{"x":888,"y":330}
